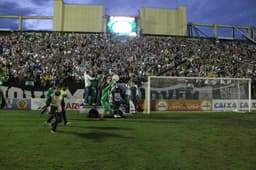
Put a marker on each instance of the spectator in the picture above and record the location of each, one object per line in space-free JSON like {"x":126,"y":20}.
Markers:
{"x":88,"y":86}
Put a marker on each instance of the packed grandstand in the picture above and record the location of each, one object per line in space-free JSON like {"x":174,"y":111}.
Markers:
{"x":44,"y":57}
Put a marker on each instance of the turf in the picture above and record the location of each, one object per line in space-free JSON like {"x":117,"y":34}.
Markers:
{"x":175,"y":141}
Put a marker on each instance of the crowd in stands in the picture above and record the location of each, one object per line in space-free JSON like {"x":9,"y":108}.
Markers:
{"x":53,"y":56}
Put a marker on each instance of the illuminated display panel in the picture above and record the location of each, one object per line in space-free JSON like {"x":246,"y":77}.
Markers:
{"x":122,"y":25}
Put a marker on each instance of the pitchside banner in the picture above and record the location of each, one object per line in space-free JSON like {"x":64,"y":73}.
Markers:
{"x":71,"y":104}
{"x":201,"y":105}
{"x":15,"y":103}
{"x":181,"y":105}
{"x":230,"y":105}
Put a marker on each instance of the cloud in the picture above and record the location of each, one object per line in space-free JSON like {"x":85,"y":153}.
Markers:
{"x":221,"y":12}
{"x":38,"y":24}
{"x":82,"y":1}
{"x":205,"y":11}
{"x":40,"y":9}
{"x":9,"y":24}
{"x":41,"y":2}
{"x":29,"y":8}
{"x":12,"y":8}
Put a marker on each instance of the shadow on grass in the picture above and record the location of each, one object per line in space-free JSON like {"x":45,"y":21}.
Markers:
{"x":229,"y":120}
{"x":108,"y":128}
{"x":150,"y":121}
{"x":97,"y":136}
{"x":225,"y":119}
{"x":182,"y":116}
{"x":84,"y":119}
{"x":102,"y":128}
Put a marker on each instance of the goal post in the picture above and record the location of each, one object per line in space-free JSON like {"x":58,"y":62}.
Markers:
{"x":166,"y":93}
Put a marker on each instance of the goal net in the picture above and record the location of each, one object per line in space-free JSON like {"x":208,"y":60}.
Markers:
{"x":165,"y":93}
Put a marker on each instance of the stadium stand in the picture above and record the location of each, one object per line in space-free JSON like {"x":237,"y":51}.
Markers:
{"x":45,"y":57}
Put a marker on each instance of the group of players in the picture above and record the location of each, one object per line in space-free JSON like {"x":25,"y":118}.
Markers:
{"x":55,"y":101}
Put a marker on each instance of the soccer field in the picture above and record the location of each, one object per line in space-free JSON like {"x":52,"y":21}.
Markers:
{"x":157,"y":141}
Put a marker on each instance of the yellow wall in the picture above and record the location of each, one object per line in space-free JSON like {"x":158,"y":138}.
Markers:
{"x":90,"y":18}
{"x":163,"y":21}
{"x":75,"y":17}
{"x":58,"y":15}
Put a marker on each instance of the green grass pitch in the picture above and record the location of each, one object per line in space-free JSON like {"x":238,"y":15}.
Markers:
{"x":175,"y":141}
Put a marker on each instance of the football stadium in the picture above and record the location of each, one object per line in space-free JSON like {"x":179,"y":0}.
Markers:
{"x":145,"y":92}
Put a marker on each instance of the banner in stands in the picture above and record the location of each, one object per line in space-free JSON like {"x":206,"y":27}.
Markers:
{"x":181,"y":105}
{"x":71,"y":104}
{"x":16,"y":103}
{"x":74,"y":91}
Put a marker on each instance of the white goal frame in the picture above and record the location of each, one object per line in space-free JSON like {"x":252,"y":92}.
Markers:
{"x":147,"y":94}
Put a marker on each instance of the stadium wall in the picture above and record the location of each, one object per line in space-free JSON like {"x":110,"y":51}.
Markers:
{"x":163,"y":21}
{"x":19,"y":98}
{"x":77,"y":18}
{"x":173,"y":105}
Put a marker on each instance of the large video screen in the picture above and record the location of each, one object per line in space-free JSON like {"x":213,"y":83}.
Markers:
{"x":122,"y":26}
